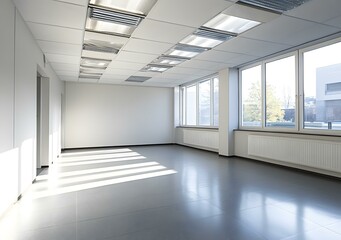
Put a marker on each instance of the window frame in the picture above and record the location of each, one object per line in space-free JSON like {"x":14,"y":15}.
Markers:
{"x":183,"y":102}
{"x":263,"y":126}
{"x":301,"y":96}
{"x":240,"y":96}
{"x":299,"y":101}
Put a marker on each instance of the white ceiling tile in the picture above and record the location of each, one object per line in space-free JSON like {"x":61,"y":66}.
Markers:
{"x":193,"y":13}
{"x":88,"y":80}
{"x":65,"y":67}
{"x":336,"y":22}
{"x":98,"y":55}
{"x":126,"y":65}
{"x":135,"y":57}
{"x":68,"y":78}
{"x":217,"y":56}
{"x":242,"y":58}
{"x":113,"y":71}
{"x":177,"y":76}
{"x":201,"y":64}
{"x":77,"y":2}
{"x":251,"y":13}
{"x":157,"y":84}
{"x":147,"y":74}
{"x":68,"y":73}
{"x":161,"y":31}
{"x":189,"y":71}
{"x":52,"y":13}
{"x":60,"y":48}
{"x":56,"y":34}
{"x":57,"y":58}
{"x":317,"y":10}
{"x":145,"y":46}
{"x":251,"y":47}
{"x":117,"y":77}
{"x":291,"y":31}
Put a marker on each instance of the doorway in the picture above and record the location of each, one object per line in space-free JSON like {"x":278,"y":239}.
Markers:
{"x":42,"y":146}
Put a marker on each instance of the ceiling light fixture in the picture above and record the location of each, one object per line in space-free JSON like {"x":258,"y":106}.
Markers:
{"x":186,"y":51}
{"x":100,"y":46}
{"x":111,"y":22}
{"x":94,"y":63}
{"x":134,"y":6}
{"x":169,"y":60}
{"x":279,"y":6}
{"x":155,"y":68}
{"x":207,"y":38}
{"x":139,"y":79}
{"x":231,"y":24}
{"x":107,"y":15}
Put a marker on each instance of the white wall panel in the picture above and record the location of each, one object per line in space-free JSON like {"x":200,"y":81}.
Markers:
{"x":20,"y":60}
{"x":110,"y":115}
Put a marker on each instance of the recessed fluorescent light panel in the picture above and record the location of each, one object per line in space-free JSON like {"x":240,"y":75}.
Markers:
{"x":155,"y":68}
{"x":94,"y":63}
{"x":100,"y":46}
{"x":89,"y":76}
{"x":111,"y":22}
{"x":231,"y":24}
{"x":135,"y":6}
{"x":95,"y":71}
{"x":274,"y":5}
{"x":169,"y":60}
{"x":137,"y":79}
{"x":206,"y":38}
{"x":186,"y":51}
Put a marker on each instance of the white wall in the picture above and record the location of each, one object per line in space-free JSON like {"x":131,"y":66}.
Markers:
{"x":20,"y":59}
{"x":113,"y":115}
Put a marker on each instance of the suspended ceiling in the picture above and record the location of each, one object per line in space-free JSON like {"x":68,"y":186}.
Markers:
{"x":59,"y":26}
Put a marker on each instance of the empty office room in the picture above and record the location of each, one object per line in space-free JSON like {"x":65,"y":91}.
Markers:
{"x":170,"y":120}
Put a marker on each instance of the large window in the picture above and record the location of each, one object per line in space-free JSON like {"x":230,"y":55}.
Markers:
{"x":205,"y":103}
{"x":191,"y":105}
{"x":200,"y":103}
{"x":268,"y":94}
{"x":298,"y":92}
{"x":280,"y":100}
{"x":252,"y":97}
{"x":215,"y":101}
{"x":322,"y":88}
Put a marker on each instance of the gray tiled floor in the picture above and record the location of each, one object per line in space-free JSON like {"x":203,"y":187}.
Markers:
{"x":173,"y":192}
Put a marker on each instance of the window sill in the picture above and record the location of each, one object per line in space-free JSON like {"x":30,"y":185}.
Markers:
{"x":198,"y":127}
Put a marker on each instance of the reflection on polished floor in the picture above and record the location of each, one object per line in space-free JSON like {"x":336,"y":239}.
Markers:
{"x":173,"y":192}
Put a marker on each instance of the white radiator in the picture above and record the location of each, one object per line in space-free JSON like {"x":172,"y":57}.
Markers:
{"x":201,"y":138}
{"x":308,"y":152}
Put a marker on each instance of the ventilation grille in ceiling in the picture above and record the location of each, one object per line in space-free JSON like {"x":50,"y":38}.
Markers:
{"x":114,"y":17}
{"x":274,"y":5}
{"x":137,"y":79}
{"x":213,"y":34}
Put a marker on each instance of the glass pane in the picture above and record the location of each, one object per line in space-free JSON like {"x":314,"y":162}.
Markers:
{"x":205,"y":103}
{"x":252,"y":97}
{"x":280,"y":93}
{"x":216,"y":102}
{"x":191,"y":105}
{"x":322,"y":88}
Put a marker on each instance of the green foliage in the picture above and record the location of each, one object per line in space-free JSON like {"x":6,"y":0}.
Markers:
{"x":253,"y":105}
